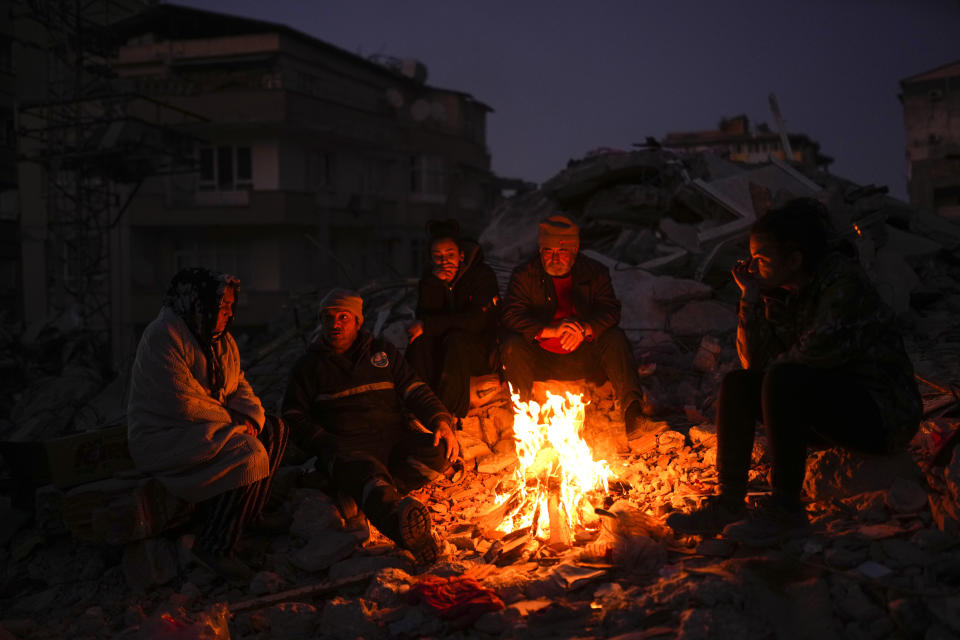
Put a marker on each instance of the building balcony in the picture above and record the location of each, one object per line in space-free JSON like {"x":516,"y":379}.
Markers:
{"x":235,"y":208}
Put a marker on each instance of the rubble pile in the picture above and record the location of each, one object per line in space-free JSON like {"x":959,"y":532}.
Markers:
{"x":881,"y":559}
{"x":874,"y":564}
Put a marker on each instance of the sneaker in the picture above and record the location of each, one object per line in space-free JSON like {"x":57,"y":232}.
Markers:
{"x":641,"y":431}
{"x":769,"y":522}
{"x":224,"y":565}
{"x":416,"y":531}
{"x":709,"y":519}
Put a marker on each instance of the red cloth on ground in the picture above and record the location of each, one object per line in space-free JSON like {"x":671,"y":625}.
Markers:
{"x":457,"y":598}
{"x":565,"y":309}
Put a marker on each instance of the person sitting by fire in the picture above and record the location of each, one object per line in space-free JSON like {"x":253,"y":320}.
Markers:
{"x":454,"y":335}
{"x":347,"y":401}
{"x":560,"y":321}
{"x":195,"y":423}
{"x":823,"y":365}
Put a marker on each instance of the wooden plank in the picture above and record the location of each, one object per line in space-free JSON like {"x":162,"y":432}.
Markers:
{"x":301,"y":593}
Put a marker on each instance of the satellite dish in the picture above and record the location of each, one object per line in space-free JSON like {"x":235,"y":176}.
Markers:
{"x":420,"y":110}
{"x":413,"y":69}
{"x":394,"y":98}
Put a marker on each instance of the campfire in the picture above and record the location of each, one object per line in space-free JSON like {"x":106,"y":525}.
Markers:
{"x":556,"y":475}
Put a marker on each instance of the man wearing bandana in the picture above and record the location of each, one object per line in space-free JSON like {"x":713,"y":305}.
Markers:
{"x":195,"y":423}
{"x":347,"y":402}
{"x":561,"y":316}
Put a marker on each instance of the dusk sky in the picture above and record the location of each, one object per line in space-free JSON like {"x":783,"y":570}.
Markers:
{"x":567,"y":77}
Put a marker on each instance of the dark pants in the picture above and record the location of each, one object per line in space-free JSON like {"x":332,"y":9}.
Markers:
{"x":608,"y":357}
{"x":800,"y":406}
{"x":376,"y":475}
{"x":446,"y":363}
{"x":223,"y":517}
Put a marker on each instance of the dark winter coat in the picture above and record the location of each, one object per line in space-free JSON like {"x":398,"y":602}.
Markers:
{"x":532,"y":300}
{"x":355,"y":397}
{"x":839,"y":322}
{"x":468,"y":303}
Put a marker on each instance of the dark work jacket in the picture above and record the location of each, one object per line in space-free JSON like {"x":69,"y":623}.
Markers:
{"x":469,"y":303}
{"x":839,"y":322}
{"x":355,"y":397}
{"x":532,"y":300}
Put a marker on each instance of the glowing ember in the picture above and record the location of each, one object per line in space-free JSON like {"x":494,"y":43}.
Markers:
{"x":555,"y":472}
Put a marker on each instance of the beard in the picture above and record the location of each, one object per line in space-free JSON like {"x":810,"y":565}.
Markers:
{"x":557,"y":269}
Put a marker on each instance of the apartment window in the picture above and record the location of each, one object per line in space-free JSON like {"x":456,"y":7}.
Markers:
{"x":225,"y":168}
{"x":317,"y":170}
{"x":428,"y":175}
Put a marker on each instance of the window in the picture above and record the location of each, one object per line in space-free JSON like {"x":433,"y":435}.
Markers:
{"x":317,"y":170}
{"x":428,"y":175}
{"x":225,"y":168}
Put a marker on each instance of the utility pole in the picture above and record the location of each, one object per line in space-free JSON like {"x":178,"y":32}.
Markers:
{"x":781,"y":127}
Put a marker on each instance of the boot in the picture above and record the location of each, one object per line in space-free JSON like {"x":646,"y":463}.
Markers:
{"x":353,"y":518}
{"x":709,"y":519}
{"x":639,"y":427}
{"x":415,"y":530}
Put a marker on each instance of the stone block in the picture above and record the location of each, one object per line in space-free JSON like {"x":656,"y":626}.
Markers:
{"x":324,"y":550}
{"x":837,"y":473}
{"x":150,"y":563}
{"x":348,"y":618}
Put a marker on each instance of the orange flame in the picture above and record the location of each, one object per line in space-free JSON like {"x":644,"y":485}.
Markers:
{"x":552,"y":458}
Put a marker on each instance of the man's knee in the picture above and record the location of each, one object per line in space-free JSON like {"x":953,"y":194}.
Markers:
{"x":613,"y":339}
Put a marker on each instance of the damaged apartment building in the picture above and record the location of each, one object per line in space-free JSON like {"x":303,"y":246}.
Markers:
{"x":180,"y":137}
{"x":931,"y":117}
{"x":314,"y":166}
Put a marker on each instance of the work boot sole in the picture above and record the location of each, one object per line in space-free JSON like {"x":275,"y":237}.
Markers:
{"x":416,"y":531}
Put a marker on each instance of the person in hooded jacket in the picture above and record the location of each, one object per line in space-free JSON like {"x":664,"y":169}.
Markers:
{"x":347,"y":402}
{"x":195,"y":423}
{"x":454,"y":335}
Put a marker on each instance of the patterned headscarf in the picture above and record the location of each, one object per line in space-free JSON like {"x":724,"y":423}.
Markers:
{"x":194,"y":295}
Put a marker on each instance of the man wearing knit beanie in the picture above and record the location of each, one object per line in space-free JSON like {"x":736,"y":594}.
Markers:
{"x":561,"y":316}
{"x":347,"y":402}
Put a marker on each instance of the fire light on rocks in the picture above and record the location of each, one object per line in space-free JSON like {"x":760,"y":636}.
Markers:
{"x":556,"y":472}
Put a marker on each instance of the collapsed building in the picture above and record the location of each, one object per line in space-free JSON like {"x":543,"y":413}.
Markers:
{"x":90,"y":548}
{"x":882,"y":559}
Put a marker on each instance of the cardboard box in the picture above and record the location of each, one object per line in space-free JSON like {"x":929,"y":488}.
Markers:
{"x":69,"y":460}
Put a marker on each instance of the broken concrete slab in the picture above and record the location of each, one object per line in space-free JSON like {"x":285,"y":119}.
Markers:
{"x":703,"y":316}
{"x":837,"y":473}
{"x":323,"y":550}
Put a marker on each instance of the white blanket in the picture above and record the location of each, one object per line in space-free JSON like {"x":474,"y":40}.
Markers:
{"x":177,"y":431}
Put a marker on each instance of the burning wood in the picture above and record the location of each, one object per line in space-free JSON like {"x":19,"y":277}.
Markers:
{"x":555,"y":476}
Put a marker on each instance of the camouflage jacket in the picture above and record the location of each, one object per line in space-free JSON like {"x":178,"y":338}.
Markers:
{"x":838,"y":322}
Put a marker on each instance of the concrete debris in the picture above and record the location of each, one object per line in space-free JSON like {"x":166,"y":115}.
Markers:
{"x":837,"y":473}
{"x":324,"y":550}
{"x":881,"y":557}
